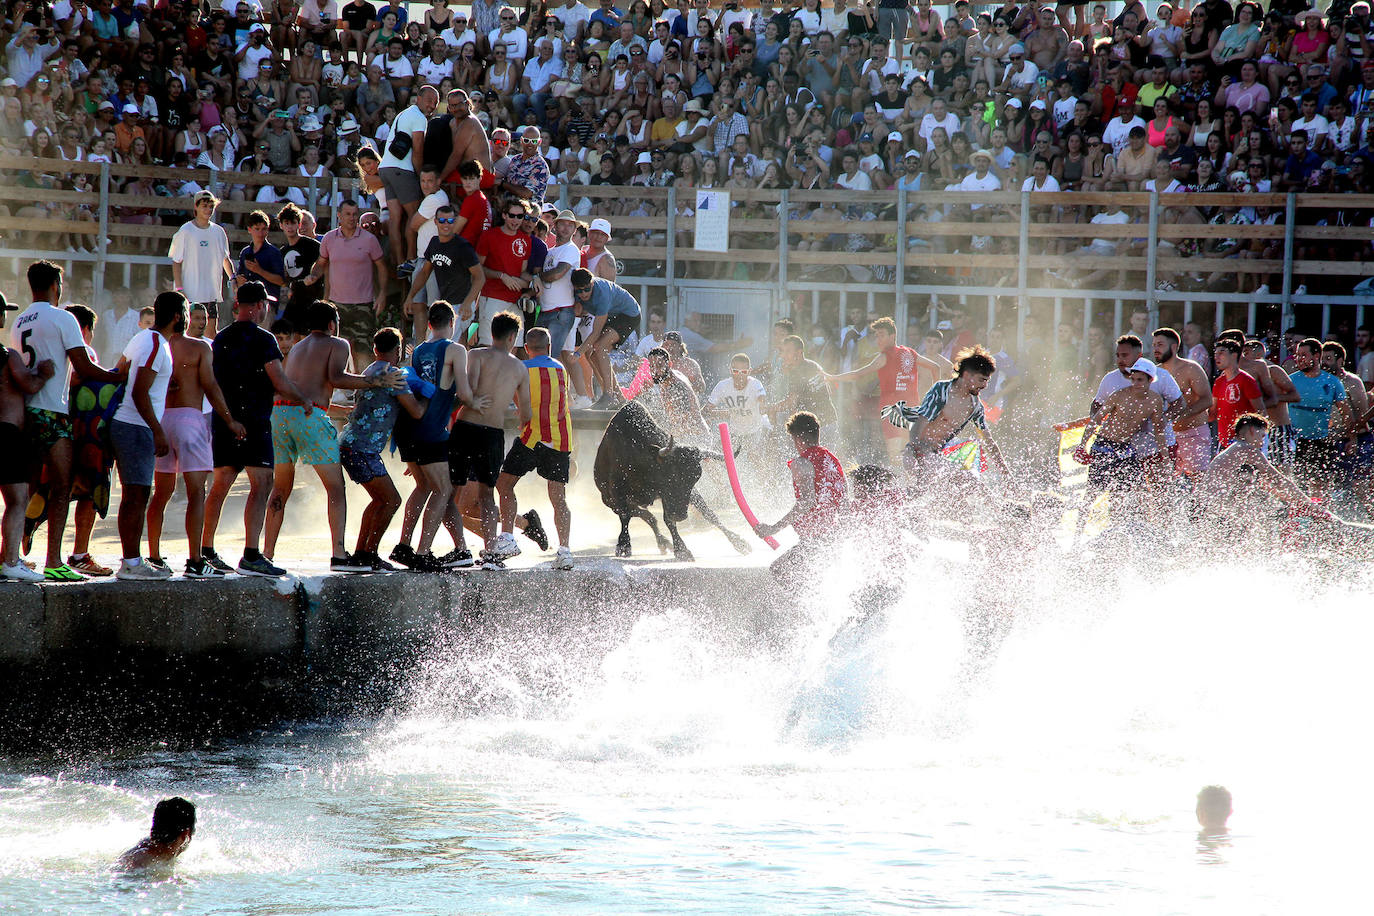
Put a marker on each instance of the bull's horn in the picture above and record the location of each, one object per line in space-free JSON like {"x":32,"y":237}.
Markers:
{"x":666,"y":450}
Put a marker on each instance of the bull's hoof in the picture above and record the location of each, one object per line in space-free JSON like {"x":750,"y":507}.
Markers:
{"x":663,"y":545}
{"x":682,"y":554}
{"x":739,"y":543}
{"x":622,"y":548}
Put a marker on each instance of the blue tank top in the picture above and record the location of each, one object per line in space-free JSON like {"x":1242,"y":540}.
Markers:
{"x":428,"y":363}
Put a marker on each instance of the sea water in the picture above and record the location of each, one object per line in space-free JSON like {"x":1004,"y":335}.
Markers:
{"x":1009,"y":740}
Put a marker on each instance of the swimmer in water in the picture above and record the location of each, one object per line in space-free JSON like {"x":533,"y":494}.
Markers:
{"x":1213,"y":809}
{"x":174,"y":823}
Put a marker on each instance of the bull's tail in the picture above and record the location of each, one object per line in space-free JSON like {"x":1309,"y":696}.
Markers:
{"x":737,"y":542}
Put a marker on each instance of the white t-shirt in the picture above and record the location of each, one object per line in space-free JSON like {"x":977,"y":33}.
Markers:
{"x":393,"y":69}
{"x":433,"y":74}
{"x":859,"y":182}
{"x":745,"y":415}
{"x":1062,"y":111}
{"x":1051,"y":184}
{"x":559,"y":293}
{"x":1316,"y":128}
{"x":428,"y":207}
{"x":44,"y":331}
{"x":456,"y":40}
{"x":252,"y":57}
{"x":147,"y":351}
{"x":647,"y":343}
{"x":201,"y":254}
{"x":1116,"y":133}
{"x":1164,"y":384}
{"x":410,"y":121}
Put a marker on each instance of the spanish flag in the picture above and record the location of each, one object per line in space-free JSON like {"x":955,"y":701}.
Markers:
{"x":1073,"y":481}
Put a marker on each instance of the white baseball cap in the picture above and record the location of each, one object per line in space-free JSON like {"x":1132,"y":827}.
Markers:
{"x":600,"y":225}
{"x":1144,"y":365}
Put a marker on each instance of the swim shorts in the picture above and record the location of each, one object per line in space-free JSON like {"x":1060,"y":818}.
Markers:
{"x":475,"y":453}
{"x":254,"y":450}
{"x":134,"y":453}
{"x":623,"y":325}
{"x":45,"y":427}
{"x":188,"y":442}
{"x":1194,"y":450}
{"x":14,"y":455}
{"x":361,"y":467}
{"x":305,"y":438}
{"x":1115,"y":466}
{"x":550,"y":463}
{"x":1315,"y":460}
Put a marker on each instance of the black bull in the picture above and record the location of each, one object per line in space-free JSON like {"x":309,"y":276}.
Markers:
{"x":637,"y":463}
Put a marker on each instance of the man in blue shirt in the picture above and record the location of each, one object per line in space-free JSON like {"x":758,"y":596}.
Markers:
{"x":616,"y":315}
{"x":1301,"y":163}
{"x":1319,"y":393}
{"x":261,"y":260}
{"x":607,"y":14}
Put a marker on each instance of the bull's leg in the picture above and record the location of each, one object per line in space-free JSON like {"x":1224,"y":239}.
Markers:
{"x":737,"y":542}
{"x":622,"y":544}
{"x":680,"y":551}
{"x":649,"y":520}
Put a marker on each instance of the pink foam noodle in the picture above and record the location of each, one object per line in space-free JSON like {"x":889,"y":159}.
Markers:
{"x":637,"y":383}
{"x":734,"y":483}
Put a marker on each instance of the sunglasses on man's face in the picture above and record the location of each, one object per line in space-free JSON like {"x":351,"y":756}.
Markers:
{"x":445,"y":220}
{"x":515,"y":216}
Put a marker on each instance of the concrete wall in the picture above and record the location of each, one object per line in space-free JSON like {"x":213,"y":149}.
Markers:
{"x":96,"y":663}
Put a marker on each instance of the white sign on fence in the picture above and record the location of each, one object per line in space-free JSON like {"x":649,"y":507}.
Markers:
{"x":713,"y":221}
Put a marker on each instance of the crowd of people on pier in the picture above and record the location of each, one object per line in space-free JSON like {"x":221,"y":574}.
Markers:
{"x":859,"y":96}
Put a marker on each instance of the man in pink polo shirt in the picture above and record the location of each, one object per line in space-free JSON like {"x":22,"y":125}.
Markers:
{"x":351,"y":258}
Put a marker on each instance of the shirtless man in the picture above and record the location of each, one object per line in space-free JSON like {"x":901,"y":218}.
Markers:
{"x":189,"y":451}
{"x":174,"y":823}
{"x":1281,"y":439}
{"x":1048,"y":43}
{"x":17,"y":382}
{"x":1358,"y":463}
{"x":469,"y":140}
{"x":316,"y":366}
{"x":596,"y":257}
{"x":477,"y":443}
{"x":680,"y":404}
{"x":950,"y":406}
{"x":1193,"y":436}
{"x":1114,"y":462}
{"x":1241,"y":470}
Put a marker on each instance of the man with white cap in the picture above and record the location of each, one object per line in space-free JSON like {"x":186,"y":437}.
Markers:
{"x":1020,"y":74}
{"x":596,"y":257}
{"x":1151,"y":444}
{"x":555,"y":303}
{"x":199,"y":252}
{"x":1131,"y":417}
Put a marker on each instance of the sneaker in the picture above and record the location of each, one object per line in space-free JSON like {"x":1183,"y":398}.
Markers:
{"x":87,"y":566}
{"x":403,"y":554}
{"x":259,"y":566}
{"x":1301,"y":290}
{"x":209,"y":556}
{"x":457,"y":559}
{"x":63,"y":573}
{"x":203,"y":569}
{"x":142,"y":570}
{"x":21,"y":573}
{"x":505,"y":546}
{"x":535,"y":531}
{"x":349,"y":564}
{"x":607,"y":401}
{"x":1261,"y":290}
{"x":378,"y":564}
{"x":492,"y":561}
{"x":563,"y":559}
{"x":405,"y":269}
{"x":426,"y":563}
{"x":158,"y":563}
{"x":582,"y":402}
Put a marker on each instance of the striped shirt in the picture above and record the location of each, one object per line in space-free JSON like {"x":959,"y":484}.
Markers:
{"x":549,"y":420}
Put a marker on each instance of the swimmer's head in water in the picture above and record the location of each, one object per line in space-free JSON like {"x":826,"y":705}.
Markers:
{"x":1213,"y":808}
{"x":1250,"y":428}
{"x":171,"y":818}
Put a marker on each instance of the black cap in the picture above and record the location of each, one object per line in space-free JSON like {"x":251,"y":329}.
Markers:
{"x":252,"y":292}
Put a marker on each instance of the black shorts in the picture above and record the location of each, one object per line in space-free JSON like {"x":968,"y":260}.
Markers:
{"x":416,"y":452}
{"x":14,"y":455}
{"x":1315,"y":459}
{"x":475,"y":453}
{"x":252,"y":451}
{"x":550,"y":463}
{"x":622,"y":325}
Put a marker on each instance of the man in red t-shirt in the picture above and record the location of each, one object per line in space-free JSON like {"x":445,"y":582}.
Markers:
{"x":474,"y":211}
{"x":1235,"y":392}
{"x":897,"y":368}
{"x":504,"y":252}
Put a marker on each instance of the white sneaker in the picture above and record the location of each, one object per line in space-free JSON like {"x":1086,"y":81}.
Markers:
{"x":21,"y":573}
{"x":1261,"y":290}
{"x":563,"y":559}
{"x":1301,"y":290}
{"x":141,"y":570}
{"x":505,"y":546}
{"x":582,"y":402}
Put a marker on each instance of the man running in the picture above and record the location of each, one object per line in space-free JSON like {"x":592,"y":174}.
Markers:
{"x":248,"y":367}
{"x":739,"y":400}
{"x":682,"y":410}
{"x":1128,"y":352}
{"x":544,"y":445}
{"x":819,"y":487}
{"x":1320,"y":394}
{"x":441,"y":362}
{"x":1114,"y":461}
{"x":615,"y":315}
{"x":477,"y":444}
{"x":1234,"y":392}
{"x":949,"y":406}
{"x":189,"y":451}
{"x":897,"y":368}
{"x":44,"y":332}
{"x":1191,"y":432}
{"x":1281,"y":441}
{"x":317,"y":366}
{"x":1357,"y":462}
{"x":803,"y":388}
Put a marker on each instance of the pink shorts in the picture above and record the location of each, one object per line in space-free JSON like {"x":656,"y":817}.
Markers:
{"x":1194,"y":453}
{"x":188,"y":440}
